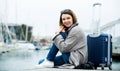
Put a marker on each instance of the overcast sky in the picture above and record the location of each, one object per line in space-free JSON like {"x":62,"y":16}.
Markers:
{"x":43,"y":15}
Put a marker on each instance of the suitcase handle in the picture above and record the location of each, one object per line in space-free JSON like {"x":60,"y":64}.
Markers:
{"x":109,"y":42}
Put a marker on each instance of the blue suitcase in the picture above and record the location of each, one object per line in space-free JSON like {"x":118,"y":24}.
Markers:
{"x":100,"y":50}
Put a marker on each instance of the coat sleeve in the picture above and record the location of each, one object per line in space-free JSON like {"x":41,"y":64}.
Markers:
{"x":70,"y":41}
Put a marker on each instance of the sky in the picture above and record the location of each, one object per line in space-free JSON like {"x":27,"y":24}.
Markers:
{"x":43,"y":15}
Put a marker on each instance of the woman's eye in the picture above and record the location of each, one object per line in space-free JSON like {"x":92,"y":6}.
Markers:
{"x":63,"y":19}
{"x":68,"y":17}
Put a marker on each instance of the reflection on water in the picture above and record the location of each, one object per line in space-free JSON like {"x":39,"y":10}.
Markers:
{"x":21,"y":59}
{"x":26,"y":59}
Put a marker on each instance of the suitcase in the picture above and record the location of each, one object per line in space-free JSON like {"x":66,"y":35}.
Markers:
{"x":100,"y":50}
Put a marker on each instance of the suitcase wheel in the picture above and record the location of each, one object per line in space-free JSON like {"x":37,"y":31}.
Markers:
{"x":95,"y":67}
{"x":110,"y":67}
{"x":102,"y":68}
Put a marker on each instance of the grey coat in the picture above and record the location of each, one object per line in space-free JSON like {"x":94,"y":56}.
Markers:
{"x":75,"y":43}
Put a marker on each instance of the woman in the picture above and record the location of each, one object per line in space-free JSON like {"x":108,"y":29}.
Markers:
{"x":70,"y":41}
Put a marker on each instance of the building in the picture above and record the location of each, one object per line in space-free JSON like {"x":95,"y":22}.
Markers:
{"x":113,"y":28}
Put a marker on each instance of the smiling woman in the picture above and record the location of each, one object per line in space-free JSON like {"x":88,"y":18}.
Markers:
{"x":70,"y":40}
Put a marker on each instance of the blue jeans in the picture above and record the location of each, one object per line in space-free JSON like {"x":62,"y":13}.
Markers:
{"x":58,"y":60}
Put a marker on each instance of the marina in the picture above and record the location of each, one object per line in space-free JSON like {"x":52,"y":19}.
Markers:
{"x":22,"y":45}
{"x":16,"y":55}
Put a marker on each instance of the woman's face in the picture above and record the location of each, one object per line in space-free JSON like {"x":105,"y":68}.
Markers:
{"x":67,"y":20}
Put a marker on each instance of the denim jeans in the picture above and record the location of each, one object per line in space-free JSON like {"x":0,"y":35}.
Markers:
{"x":58,"y":60}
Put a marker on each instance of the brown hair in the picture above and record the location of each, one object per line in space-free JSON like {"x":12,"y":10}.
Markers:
{"x":70,"y":12}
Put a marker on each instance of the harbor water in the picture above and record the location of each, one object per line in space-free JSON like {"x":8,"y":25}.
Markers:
{"x":21,"y":60}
